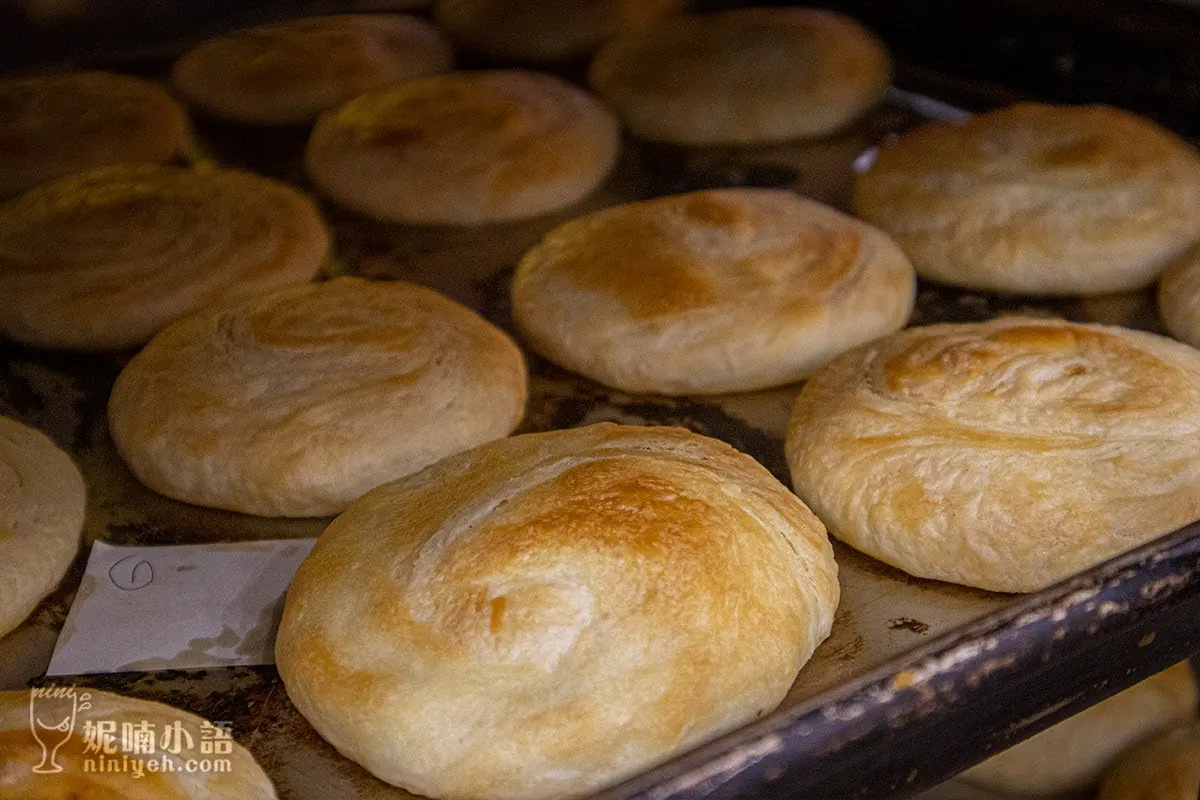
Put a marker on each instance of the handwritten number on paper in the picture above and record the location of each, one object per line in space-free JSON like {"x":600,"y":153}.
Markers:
{"x":131,"y":573}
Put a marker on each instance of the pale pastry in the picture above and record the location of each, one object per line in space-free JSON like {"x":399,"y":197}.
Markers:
{"x":118,"y":747}
{"x":743,"y":76}
{"x":55,"y":125}
{"x":542,"y":616}
{"x":715,"y":291}
{"x":544,"y":30}
{"x":1006,"y":455}
{"x":465,"y":148}
{"x":287,"y":73}
{"x":1072,"y":755}
{"x":1059,"y":200}
{"x":105,"y":259}
{"x":295,"y":403}
{"x":1167,"y":767}
{"x":1179,"y":298}
{"x":41,"y":517}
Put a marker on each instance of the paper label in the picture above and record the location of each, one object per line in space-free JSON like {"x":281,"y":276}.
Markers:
{"x":140,"y":609}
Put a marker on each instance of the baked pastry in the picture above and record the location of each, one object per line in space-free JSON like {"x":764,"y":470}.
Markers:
{"x":465,"y":148}
{"x":544,"y":30}
{"x":1179,"y":298}
{"x":1005,"y":455}
{"x":55,"y":125}
{"x":41,"y":517}
{"x":544,"y":615}
{"x":295,"y":403}
{"x":1059,"y":200}
{"x":1166,"y":767}
{"x":105,"y":259}
{"x":716,"y":291}
{"x":287,"y":73}
{"x":151,"y":750}
{"x":742,"y":76}
{"x":1072,"y":755}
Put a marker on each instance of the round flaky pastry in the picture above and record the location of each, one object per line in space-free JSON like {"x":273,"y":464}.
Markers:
{"x":106,"y":259}
{"x":289,"y":72}
{"x":95,"y":744}
{"x":1179,"y":298}
{"x":715,"y":291}
{"x":465,"y":148}
{"x":1167,"y":767}
{"x":743,"y":76}
{"x":1005,"y":455}
{"x":544,"y":30}
{"x":60,"y":124}
{"x":41,"y":517}
{"x":545,"y":615}
{"x":1038,"y":199}
{"x":297,"y":402}
{"x":1072,"y":755}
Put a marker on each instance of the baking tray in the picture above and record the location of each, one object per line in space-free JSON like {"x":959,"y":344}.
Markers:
{"x":918,"y":678}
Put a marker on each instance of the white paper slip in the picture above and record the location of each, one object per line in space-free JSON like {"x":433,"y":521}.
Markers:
{"x":178,"y":607}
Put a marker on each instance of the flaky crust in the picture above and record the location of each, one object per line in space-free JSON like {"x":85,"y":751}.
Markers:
{"x":59,"y":124}
{"x":238,"y":777}
{"x":1179,"y":298}
{"x":547,"y":614}
{"x":105,"y":259}
{"x":715,"y":291}
{"x":289,"y":72}
{"x":41,"y":517}
{"x":1072,"y":755}
{"x":1166,"y":767}
{"x":539,"y":31}
{"x":465,"y":148}
{"x":742,"y":76}
{"x":297,"y":402}
{"x":1039,"y":199}
{"x":1007,"y":454}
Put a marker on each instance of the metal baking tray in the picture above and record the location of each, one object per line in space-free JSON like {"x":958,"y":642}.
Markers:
{"x":918,"y":679}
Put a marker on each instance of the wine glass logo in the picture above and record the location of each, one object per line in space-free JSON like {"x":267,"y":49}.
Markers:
{"x":52,"y":714}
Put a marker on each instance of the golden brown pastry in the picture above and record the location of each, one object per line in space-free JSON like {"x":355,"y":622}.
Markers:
{"x":105,"y":259}
{"x":296,"y":402}
{"x":1005,"y":455}
{"x":41,"y":517}
{"x":1040,"y":199}
{"x":59,"y":124}
{"x":743,"y":76}
{"x":709,"y":292}
{"x":465,"y":148}
{"x":544,"y":30}
{"x":1166,"y":767}
{"x":289,"y":72}
{"x":1072,"y":755}
{"x":1179,"y":298}
{"x":100,"y":762}
{"x":545,"y":615}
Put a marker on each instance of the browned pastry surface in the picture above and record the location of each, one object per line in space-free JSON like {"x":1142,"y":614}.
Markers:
{"x":1005,"y":455}
{"x":289,"y":72}
{"x":107,"y":258}
{"x":464,"y":148}
{"x":1040,"y":199}
{"x":295,"y":403}
{"x":743,"y":76}
{"x":716,"y":291}
{"x":543,"y":615}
